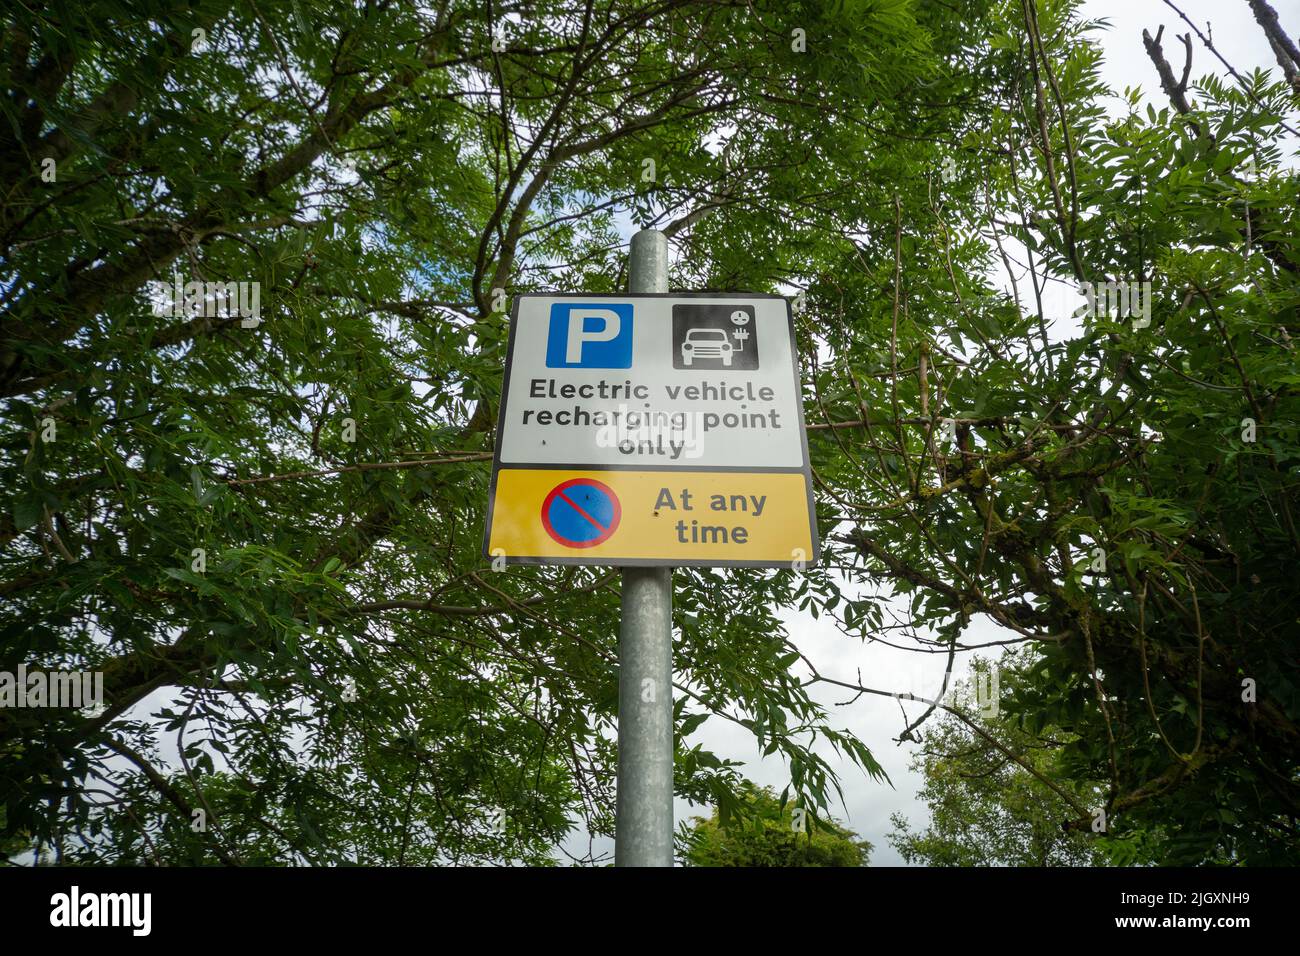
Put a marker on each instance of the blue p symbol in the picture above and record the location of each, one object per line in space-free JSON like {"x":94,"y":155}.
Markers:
{"x":590,"y":336}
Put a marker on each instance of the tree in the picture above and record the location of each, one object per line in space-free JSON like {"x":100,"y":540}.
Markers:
{"x":1118,"y":492}
{"x":769,"y":831}
{"x":996,"y":795}
{"x":264,"y":528}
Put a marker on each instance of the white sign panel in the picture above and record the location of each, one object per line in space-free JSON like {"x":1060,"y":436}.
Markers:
{"x":698,"y":381}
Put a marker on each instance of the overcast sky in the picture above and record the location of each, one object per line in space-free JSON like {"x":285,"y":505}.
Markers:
{"x":878,"y":720}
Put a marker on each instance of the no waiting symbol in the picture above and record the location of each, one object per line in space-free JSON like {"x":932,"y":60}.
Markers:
{"x":581,"y":513}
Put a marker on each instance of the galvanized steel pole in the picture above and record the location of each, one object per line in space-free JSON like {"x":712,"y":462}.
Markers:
{"x":644,"y":823}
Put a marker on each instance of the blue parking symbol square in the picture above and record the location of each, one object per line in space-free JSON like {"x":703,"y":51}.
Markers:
{"x":590,"y":335}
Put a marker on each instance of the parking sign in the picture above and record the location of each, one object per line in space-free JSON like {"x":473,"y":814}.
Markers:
{"x":652,"y":430}
{"x":585,"y":335}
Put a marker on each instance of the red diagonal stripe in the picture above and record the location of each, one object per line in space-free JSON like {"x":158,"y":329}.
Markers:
{"x":578,"y":509}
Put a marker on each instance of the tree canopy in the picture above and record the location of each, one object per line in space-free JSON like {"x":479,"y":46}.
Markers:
{"x":774,"y":833}
{"x":264,"y":529}
{"x":995,"y":796}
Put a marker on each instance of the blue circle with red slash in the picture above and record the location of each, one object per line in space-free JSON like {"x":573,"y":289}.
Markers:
{"x":581,"y":513}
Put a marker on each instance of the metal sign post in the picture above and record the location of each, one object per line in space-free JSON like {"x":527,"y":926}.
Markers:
{"x":650,"y":431}
{"x":644,"y":821}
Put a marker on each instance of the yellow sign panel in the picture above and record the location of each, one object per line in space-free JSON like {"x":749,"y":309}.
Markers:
{"x":651,"y":517}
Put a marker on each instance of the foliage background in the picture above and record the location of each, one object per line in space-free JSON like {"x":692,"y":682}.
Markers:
{"x":770,"y":836}
{"x":344,"y":680}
